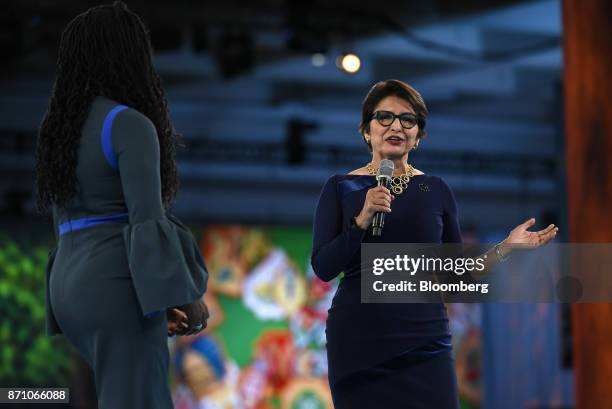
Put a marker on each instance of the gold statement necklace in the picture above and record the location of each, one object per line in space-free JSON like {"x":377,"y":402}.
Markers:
{"x":398,"y":183}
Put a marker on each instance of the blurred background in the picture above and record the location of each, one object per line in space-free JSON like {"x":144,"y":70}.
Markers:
{"x":267,"y":95}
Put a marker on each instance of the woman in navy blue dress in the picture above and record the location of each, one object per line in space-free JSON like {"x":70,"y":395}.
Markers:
{"x":388,"y":356}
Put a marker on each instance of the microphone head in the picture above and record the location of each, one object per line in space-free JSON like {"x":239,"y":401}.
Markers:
{"x":385,"y":170}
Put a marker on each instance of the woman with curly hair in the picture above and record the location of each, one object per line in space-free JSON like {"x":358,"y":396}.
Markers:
{"x":105,"y":165}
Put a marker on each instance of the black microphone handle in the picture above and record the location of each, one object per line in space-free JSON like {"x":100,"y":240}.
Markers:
{"x":378,"y":222}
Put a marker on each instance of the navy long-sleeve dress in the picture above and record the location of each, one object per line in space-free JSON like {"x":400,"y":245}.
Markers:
{"x":120,"y":261}
{"x":384,"y":355}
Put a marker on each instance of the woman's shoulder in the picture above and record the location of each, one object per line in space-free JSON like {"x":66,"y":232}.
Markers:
{"x":433,"y":179}
{"x":123,"y":113}
{"x":130,"y":126}
{"x":363,"y":171}
{"x":337,"y":180}
{"x":437,"y":184}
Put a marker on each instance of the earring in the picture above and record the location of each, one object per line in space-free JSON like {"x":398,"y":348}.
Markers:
{"x":414,"y":148}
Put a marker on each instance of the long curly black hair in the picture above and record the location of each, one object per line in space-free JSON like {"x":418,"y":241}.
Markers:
{"x":105,"y":51}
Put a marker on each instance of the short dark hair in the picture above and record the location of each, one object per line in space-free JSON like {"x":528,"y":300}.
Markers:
{"x":388,"y":88}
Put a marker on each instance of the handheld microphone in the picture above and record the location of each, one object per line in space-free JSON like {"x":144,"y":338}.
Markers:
{"x":384,"y":175}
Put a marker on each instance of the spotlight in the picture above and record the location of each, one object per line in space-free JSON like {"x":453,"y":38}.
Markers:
{"x":349,"y":62}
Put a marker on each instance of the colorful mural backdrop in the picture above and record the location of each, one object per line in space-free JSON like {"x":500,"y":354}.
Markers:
{"x":265,"y":343}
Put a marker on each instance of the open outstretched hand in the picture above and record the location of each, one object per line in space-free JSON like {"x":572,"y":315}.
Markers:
{"x":522,"y":239}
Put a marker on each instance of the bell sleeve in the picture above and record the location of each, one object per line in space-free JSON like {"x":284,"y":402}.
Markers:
{"x":164,"y":260}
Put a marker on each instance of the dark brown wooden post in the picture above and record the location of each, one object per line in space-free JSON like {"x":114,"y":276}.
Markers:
{"x":587,"y":35}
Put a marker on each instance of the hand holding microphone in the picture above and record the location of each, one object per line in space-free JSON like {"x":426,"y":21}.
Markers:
{"x":378,"y":201}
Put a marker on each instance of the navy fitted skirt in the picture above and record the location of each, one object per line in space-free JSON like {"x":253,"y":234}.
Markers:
{"x":389,"y":355}
{"x":415,"y":380}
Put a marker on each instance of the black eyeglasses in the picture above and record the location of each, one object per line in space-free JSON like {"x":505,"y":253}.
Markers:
{"x":386,"y":118}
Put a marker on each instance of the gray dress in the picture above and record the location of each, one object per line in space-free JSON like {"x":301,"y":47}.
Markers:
{"x":120,"y":261}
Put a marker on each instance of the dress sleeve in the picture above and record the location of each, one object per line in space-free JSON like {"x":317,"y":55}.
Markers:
{"x":451,"y":232}
{"x":333,"y":245}
{"x":164,"y":260}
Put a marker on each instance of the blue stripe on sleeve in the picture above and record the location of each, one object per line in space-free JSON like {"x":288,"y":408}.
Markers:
{"x":351,"y":185}
{"x":107,"y":145}
{"x":153,"y":314}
